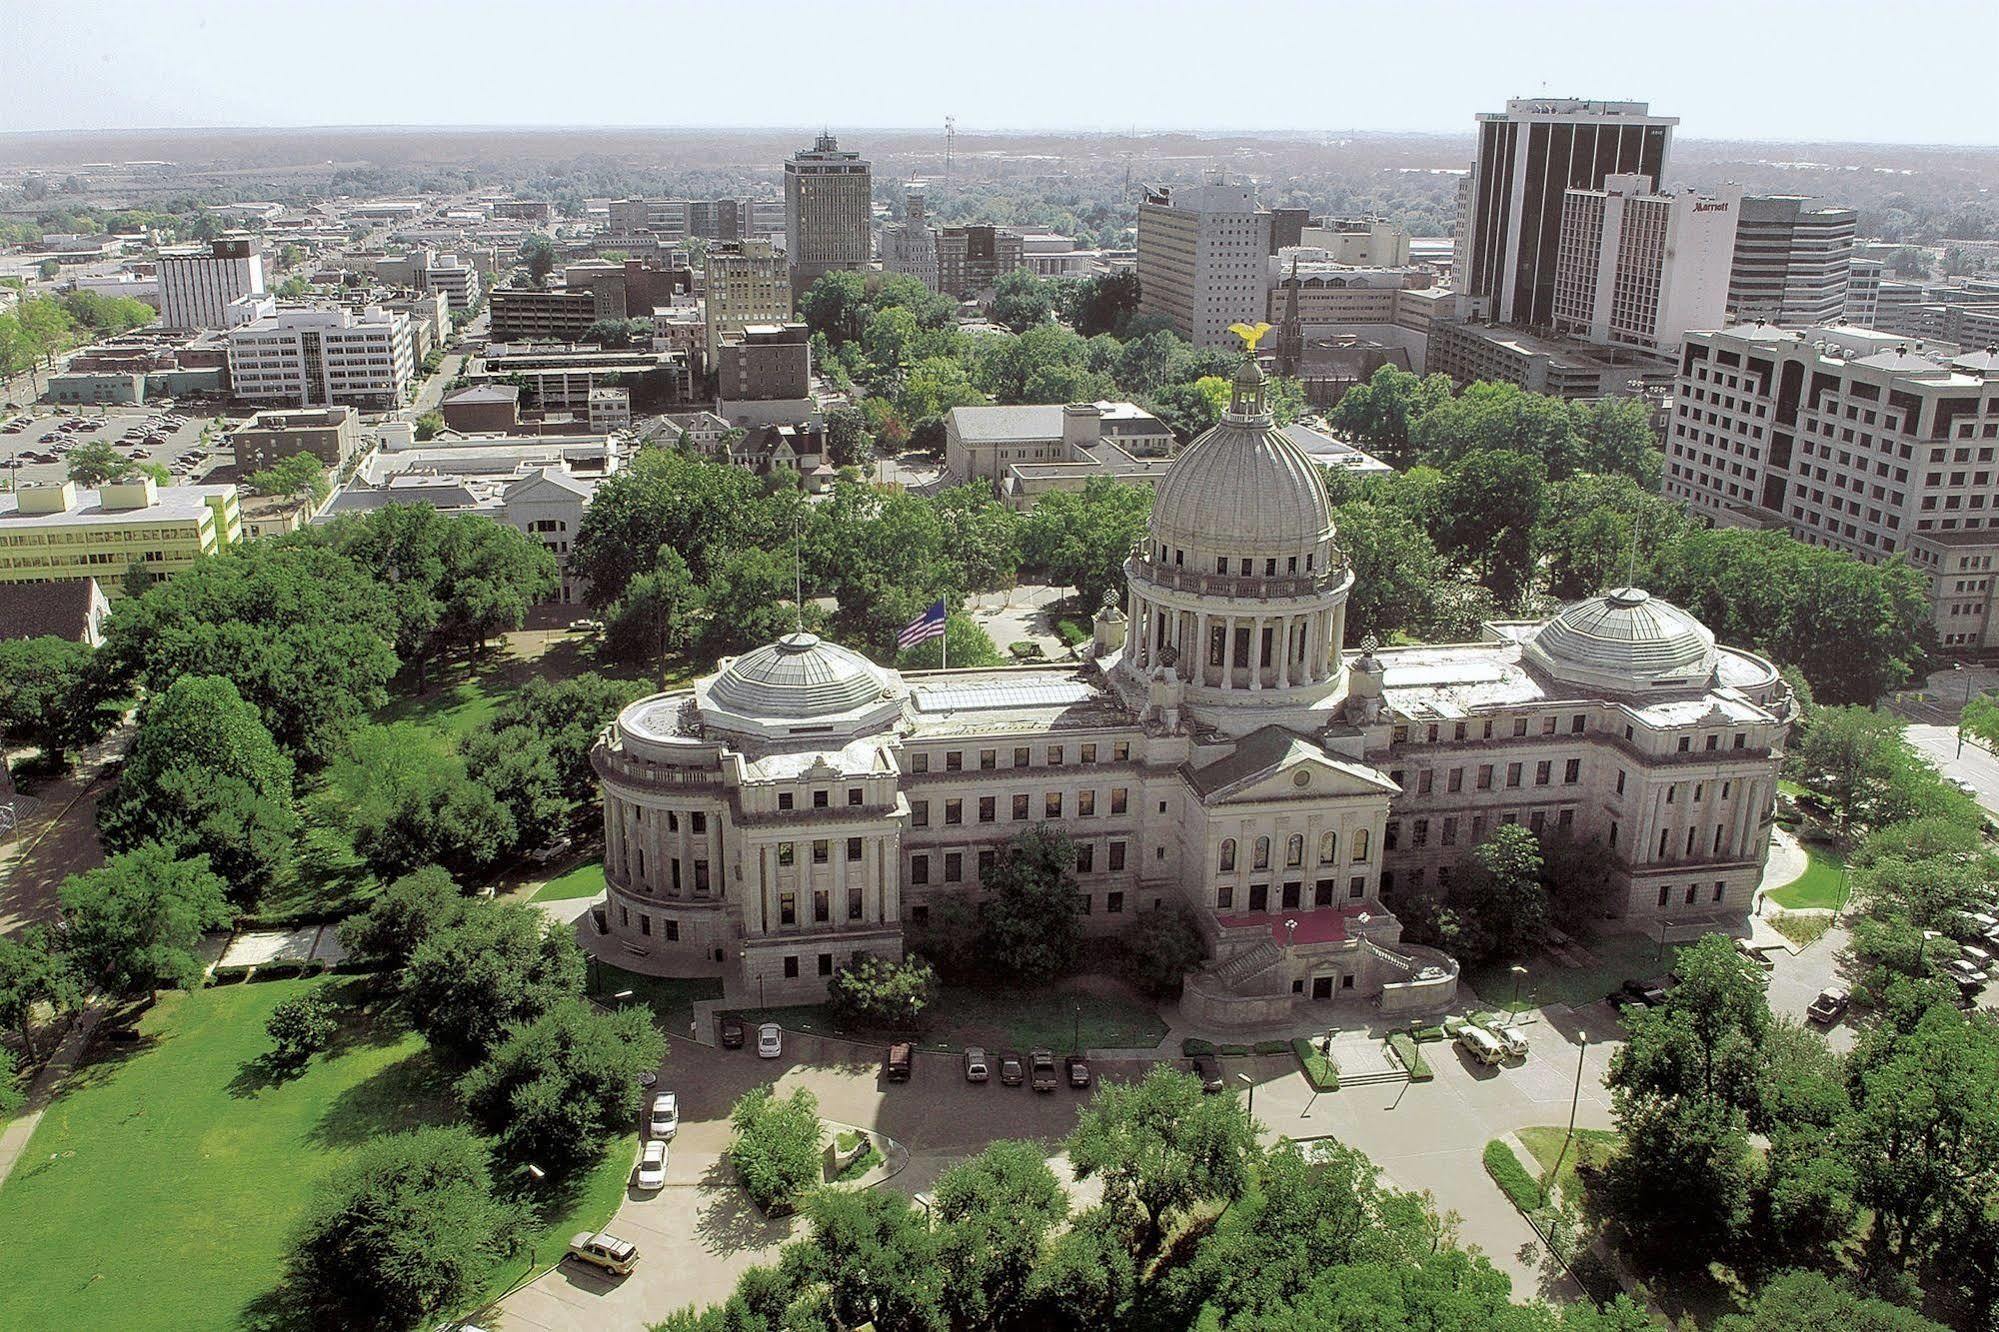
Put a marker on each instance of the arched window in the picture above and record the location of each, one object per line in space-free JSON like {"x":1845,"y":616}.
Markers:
{"x":1262,"y":860}
{"x":1360,"y":846}
{"x":1329,"y":848}
{"x":1228,"y":854}
{"x":1294,"y":850}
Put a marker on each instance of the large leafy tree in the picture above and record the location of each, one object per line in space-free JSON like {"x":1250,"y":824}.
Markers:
{"x":663,"y":499}
{"x":656,"y":615}
{"x":204,"y":776}
{"x":883,"y":991}
{"x":775,"y":1151}
{"x":874,"y":1260}
{"x":1160,"y":947}
{"x":492,"y":968}
{"x":54,"y":694}
{"x":1491,"y":417}
{"x":1379,"y":414}
{"x":1807,"y":1300}
{"x":406,"y":913}
{"x":1396,"y":571}
{"x":996,"y":1210}
{"x":569,"y":714}
{"x":1082,"y":538}
{"x":1492,"y":499}
{"x":404,"y":1230}
{"x":1022,"y":300}
{"x":1497,"y":902}
{"x":1162,"y":1146}
{"x":1031,"y":928}
{"x":34,"y":973}
{"x":410,"y":803}
{"x":136,"y":921}
{"x":556,"y":1090}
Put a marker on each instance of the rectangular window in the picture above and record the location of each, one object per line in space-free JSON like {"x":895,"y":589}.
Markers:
{"x":784,"y":800}
{"x":1456,"y":782}
{"x":1117,"y":856}
{"x":1113,"y":903}
{"x":825,"y":964}
{"x":988,"y":760}
{"x":1086,"y":804}
{"x":1485,"y":776}
{"x":1121,"y":751}
{"x":1425,"y":782}
{"x":1089,"y":754}
{"x":1572,"y":772}
{"x":853,"y":795}
{"x":1021,"y":757}
{"x":1544,"y":772}
{"x":986,"y":861}
{"x":1054,"y":756}
{"x":988,"y":809}
{"x":821,"y":852}
{"x":1020,"y":806}
{"x":1513,"y":774}
{"x":954,"y":866}
{"x":1357,"y":886}
{"x":1519,"y":726}
{"x":673,"y":930}
{"x":700,"y":878}
{"x":1620,"y":781}
{"x":919,"y":869}
{"x":645,"y":923}
{"x":919,"y":813}
{"x":1051,"y":805}
{"x":1225,"y":897}
{"x":1086,"y":857}
{"x":699,"y":822}
{"x":954,"y":761}
{"x":786,"y":851}
{"x":1419,"y":833}
{"x":791,"y":968}
{"x":1293,"y":894}
{"x":822,"y":908}
{"x":1577,"y":724}
{"x":954,"y":812}
{"x":819,"y":799}
{"x":853,"y":848}
{"x":1665,"y":890}
{"x":1118,"y":795}
{"x":919,"y":762}
{"x":1547,"y":726}
{"x":1450,"y":837}
{"x":787,"y":908}
{"x":854,"y":904}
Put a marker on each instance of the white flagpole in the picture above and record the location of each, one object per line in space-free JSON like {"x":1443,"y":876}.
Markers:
{"x":944,"y":643}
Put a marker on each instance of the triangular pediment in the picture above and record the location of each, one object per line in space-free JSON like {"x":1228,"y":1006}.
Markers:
{"x":1276,"y":764}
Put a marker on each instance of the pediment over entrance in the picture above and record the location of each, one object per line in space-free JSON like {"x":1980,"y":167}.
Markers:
{"x":1277,"y":764}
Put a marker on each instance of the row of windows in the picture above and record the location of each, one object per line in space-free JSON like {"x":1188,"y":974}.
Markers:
{"x":952,"y":863}
{"x":1052,"y":805}
{"x":1023,"y":757}
{"x":1433,"y":732}
{"x":1294,"y":851}
{"x":1544,"y":772}
{"x":1291,"y":895}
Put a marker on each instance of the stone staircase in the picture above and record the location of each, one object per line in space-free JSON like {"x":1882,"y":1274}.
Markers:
{"x":1247,"y":965}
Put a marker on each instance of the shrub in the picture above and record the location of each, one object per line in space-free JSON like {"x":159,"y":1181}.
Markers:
{"x":881,"y":991}
{"x":1270,"y":1047}
{"x":1411,"y":1057}
{"x":1321,"y":1072}
{"x":1512,"y":1177}
{"x":1424,"y":1035}
{"x":1194,"y":1045}
{"x":300,"y":1027}
{"x":776,"y":1148}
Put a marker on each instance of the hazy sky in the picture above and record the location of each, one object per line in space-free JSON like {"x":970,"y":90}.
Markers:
{"x":1781,"y":69}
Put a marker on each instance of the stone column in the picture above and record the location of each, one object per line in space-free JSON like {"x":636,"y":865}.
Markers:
{"x":1287,"y":625}
{"x":1228,"y":652}
{"x":1256,"y":652}
{"x":753,"y":890}
{"x":1198,"y":668}
{"x":1315,"y":654}
{"x":1338,"y":641}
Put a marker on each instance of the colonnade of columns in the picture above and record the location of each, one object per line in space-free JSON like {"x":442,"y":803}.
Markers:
{"x":1238,"y":650}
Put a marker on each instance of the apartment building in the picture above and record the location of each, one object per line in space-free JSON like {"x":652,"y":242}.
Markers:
{"x":1792,"y":262}
{"x":1202,"y":254}
{"x":316,"y":358}
{"x":1863,"y":292}
{"x":1847,"y":438}
{"x":1528,"y":158}
{"x":58,"y":532}
{"x":828,"y":211}
{"x":198,"y":284}
{"x":971,"y":259}
{"x":1639,"y":268}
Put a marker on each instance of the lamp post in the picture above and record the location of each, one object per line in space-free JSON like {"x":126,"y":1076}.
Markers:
{"x":1575,"y":1098}
{"x":1518,"y":972}
{"x":1958,"y":666}
{"x":1244,"y":1079}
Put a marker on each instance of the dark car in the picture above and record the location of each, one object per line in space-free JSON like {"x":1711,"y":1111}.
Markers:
{"x":1078,"y":1070}
{"x":1209,"y":1070}
{"x":895,"y":1067}
{"x":1641,"y":993}
{"x":1012,"y":1072}
{"x":732,"y":1033}
{"x":1042,"y":1070}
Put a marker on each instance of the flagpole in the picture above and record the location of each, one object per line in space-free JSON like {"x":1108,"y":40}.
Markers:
{"x":944,"y":642}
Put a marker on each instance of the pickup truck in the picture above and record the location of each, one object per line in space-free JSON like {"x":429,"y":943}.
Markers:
{"x":1041,"y":1075}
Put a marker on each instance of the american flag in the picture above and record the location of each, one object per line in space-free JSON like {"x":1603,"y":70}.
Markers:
{"x":930,"y":624}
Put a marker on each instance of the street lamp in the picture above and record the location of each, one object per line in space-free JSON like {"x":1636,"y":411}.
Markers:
{"x":1244,"y":1079}
{"x":1958,"y":666}
{"x":1575,"y":1098}
{"x":1518,"y":972}
{"x":1077,"y":1043}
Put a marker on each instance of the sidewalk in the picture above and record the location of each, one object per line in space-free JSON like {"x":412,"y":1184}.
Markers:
{"x":14,"y":1139}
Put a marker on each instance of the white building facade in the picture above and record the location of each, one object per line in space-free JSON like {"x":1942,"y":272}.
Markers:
{"x":1202,"y":256}
{"x":315,"y":358}
{"x":1636,"y":268}
{"x":197,"y":284}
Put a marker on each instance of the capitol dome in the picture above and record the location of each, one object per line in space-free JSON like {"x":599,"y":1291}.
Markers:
{"x":1625,"y":641}
{"x":800,"y":678}
{"x":1242,"y":489}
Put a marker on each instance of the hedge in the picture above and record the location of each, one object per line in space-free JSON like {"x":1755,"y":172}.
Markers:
{"x":1512,"y":1177}
{"x":1194,"y":1045}
{"x":1424,"y":1035}
{"x":1270,"y":1047}
{"x":1321,"y":1072}
{"x":1411,"y":1057}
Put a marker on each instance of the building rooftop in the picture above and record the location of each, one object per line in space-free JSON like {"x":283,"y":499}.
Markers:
{"x":60,"y":608}
{"x":170,"y":504}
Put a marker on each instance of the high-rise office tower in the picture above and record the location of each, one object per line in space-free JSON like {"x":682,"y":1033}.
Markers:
{"x":1639,"y":269}
{"x":1529,"y":156}
{"x":1792,"y":262}
{"x":828,"y":201}
{"x":198,"y":282}
{"x":1203,"y":259}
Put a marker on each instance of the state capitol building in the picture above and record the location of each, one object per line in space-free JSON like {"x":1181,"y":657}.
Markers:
{"x":1217,"y":751}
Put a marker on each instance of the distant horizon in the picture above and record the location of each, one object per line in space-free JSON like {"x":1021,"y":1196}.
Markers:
{"x":1041,"y":66}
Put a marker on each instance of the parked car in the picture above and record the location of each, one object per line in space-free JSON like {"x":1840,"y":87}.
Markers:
{"x":1078,"y":1070}
{"x":1513,"y":1040}
{"x":770,"y":1041}
{"x":1830,"y":1006}
{"x":1042,"y":1066}
{"x":1481,"y":1045}
{"x":975,"y":1064}
{"x":652,"y":1165}
{"x":1209,"y":1070}
{"x":1648,"y":993}
{"x":665,"y":1119}
{"x":541,"y":855}
{"x":1012,"y":1071}
{"x":901,"y":1057}
{"x":605,"y":1251}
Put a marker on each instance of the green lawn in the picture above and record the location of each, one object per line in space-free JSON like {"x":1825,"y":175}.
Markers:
{"x":1002,"y":1017}
{"x":1619,"y":957}
{"x":160,"y":1189}
{"x":1592,"y":1145}
{"x":585,"y":880}
{"x":1823,"y":884}
{"x":453,"y":710}
{"x":672,"y":1000}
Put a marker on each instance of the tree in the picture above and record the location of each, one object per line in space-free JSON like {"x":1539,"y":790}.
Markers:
{"x":1492,"y":499}
{"x":1160,"y":947}
{"x":569,"y":714}
{"x":666,"y":500}
{"x":1706,"y":1040}
{"x":93,"y":464}
{"x":519,"y":772}
{"x":882,"y":991}
{"x":1582,"y":879}
{"x":1031,"y":925}
{"x":409,"y":803}
{"x":33,"y":972}
{"x":1378,"y":414}
{"x":204,"y":777}
{"x":775,"y":1152}
{"x":1807,"y":1302}
{"x":872,"y":1259}
{"x":557,"y":1089}
{"x":489,"y":969}
{"x":1082,"y":538}
{"x":1087,"y":1278}
{"x":300,"y":477}
{"x":299,"y":1027}
{"x":996,"y":1211}
{"x":847,"y":440}
{"x":538,"y":255}
{"x":1498,"y":905}
{"x":429,"y":425}
{"x":1161,"y":1146}
{"x":1396,"y":568}
{"x":1101,"y":304}
{"x":407,"y":912}
{"x":1844,"y":753}
{"x":53,"y":695}
{"x":400,"y":1232}
{"x":836,"y":305}
{"x":1680,"y":1189}
{"x":1022,"y":300}
{"x":1493,"y":417}
{"x":969,"y":645}
{"x":136,"y":922}
{"x":656,"y":614}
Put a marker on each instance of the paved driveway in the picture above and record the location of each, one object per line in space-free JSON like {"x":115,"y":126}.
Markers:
{"x":1976,"y":766}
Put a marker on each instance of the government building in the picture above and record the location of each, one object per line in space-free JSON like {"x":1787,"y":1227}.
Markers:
{"x":1218,"y":751}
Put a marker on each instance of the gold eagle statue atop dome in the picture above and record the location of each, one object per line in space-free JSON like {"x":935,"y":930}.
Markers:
{"x":1251,"y":334}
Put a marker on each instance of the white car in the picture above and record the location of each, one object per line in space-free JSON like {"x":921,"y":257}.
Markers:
{"x":770,"y":1041}
{"x":652,"y":1165}
{"x":1511,"y":1039}
{"x":665,"y":1121}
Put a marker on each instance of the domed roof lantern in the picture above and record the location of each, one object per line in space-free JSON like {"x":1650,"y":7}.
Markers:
{"x":1249,"y":396}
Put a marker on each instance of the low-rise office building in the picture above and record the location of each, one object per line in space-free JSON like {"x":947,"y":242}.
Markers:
{"x":1562,"y":367}
{"x":1026,"y":451}
{"x":115,"y":533}
{"x":330,"y":434}
{"x":763,"y":375}
{"x":317,"y":358}
{"x":543,"y":314}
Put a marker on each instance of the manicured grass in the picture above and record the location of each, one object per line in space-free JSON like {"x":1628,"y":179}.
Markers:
{"x":1504,"y":1166}
{"x":1001,"y":1017}
{"x":1592,"y":1145}
{"x":1412,"y":1059}
{"x":1321,"y":1072}
{"x":1619,"y":957}
{"x":1801,"y":929}
{"x":1072,"y":631}
{"x":161,"y":1187}
{"x":671,"y":1000}
{"x":1823,"y":884}
{"x":585,"y":880}
{"x":454,"y":709}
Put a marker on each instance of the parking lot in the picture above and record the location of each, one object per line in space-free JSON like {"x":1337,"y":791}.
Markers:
{"x":35,"y":446}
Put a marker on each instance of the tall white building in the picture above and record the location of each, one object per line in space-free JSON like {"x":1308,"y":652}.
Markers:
{"x":1863,"y":292}
{"x":197,"y":283}
{"x":1202,"y":252}
{"x":1638,"y":268}
{"x":828,"y":212}
{"x":742,"y":283}
{"x":315,"y":358}
{"x":909,"y":247}
{"x":1792,"y":262}
{"x":1510,"y":216}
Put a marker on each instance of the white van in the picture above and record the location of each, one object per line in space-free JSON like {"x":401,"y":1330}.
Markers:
{"x":1480,"y":1045}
